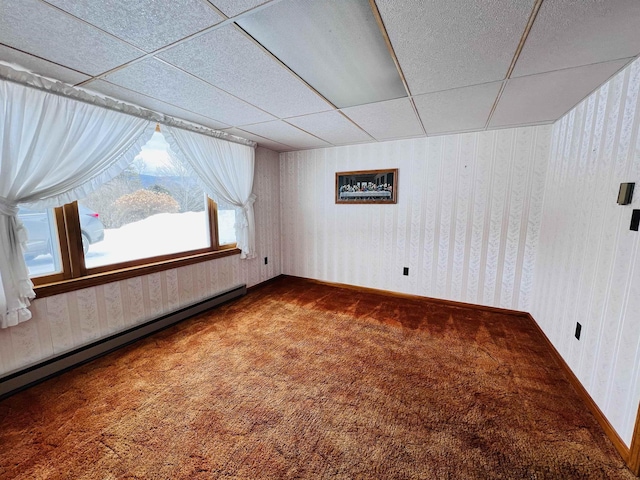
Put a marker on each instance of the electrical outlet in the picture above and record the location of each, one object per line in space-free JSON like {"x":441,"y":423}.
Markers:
{"x":266,"y":260}
{"x":405,"y":271}
{"x":578,"y":330}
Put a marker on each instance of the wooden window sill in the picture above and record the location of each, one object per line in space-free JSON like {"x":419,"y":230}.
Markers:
{"x":62,"y":286}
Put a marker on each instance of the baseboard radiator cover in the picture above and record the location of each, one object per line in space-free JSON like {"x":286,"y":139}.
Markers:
{"x":32,"y":375}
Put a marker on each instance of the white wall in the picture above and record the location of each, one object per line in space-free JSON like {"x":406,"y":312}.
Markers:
{"x":588,"y":264}
{"x":466,"y":222}
{"x":266,"y":186}
{"x":63,"y":322}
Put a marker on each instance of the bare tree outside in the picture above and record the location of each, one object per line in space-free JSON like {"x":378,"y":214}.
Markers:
{"x":181,"y":184}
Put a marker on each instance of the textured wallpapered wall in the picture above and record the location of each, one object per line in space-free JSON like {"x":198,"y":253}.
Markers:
{"x":466,"y":222}
{"x":588,"y":264}
{"x":63,"y":322}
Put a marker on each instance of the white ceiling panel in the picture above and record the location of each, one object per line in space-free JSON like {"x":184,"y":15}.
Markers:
{"x":386,"y":120}
{"x":573,"y":33}
{"x":147,"y":24}
{"x":547,"y":96}
{"x":263,"y":142}
{"x":231,"y":8}
{"x":282,"y":132}
{"x":332,"y":127}
{"x":40,"y":66}
{"x":335,"y":46}
{"x":120,"y":93}
{"x":457,"y":110}
{"x":449,"y":44}
{"x":164,"y":82}
{"x":42,"y":30}
{"x":237,"y":65}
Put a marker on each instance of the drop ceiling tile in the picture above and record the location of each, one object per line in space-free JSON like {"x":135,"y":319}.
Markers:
{"x":569,"y":34}
{"x":231,"y":8}
{"x":263,"y":142}
{"x":235,"y":64}
{"x":282,"y":132}
{"x":332,"y":127}
{"x":40,"y":29}
{"x":457,"y":110}
{"x":448,"y":44}
{"x":335,"y":46}
{"x":120,"y":93}
{"x":386,"y":120}
{"x":545,"y":97}
{"x":147,"y":24}
{"x":40,"y":66}
{"x":156,"y":79}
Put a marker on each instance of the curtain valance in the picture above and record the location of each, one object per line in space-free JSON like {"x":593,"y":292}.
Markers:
{"x":58,"y":88}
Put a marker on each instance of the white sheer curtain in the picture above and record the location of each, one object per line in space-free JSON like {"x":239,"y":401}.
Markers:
{"x":226,"y":171}
{"x":53,"y":151}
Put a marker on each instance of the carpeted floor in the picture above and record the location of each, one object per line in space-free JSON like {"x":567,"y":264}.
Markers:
{"x":301,"y":380}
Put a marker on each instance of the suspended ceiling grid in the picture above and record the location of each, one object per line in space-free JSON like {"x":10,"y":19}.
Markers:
{"x":299,"y":74}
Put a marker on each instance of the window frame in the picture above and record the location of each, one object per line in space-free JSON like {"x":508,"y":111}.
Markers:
{"x":75,"y":275}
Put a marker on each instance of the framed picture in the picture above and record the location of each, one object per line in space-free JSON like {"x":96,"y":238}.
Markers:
{"x":367,"y":186}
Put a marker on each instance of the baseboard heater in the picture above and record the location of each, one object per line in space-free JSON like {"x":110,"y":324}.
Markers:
{"x":40,"y":372}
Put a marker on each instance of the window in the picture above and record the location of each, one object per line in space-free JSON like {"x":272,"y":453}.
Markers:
{"x":226,"y":225}
{"x":42,"y":253}
{"x":155,"y":207}
{"x":153,"y":212}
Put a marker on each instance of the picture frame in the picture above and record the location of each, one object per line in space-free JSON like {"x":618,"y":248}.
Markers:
{"x":367,"y":186}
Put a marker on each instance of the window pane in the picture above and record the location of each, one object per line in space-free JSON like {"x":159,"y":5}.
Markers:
{"x":226,"y":222}
{"x":43,"y":252}
{"x":155,"y":207}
